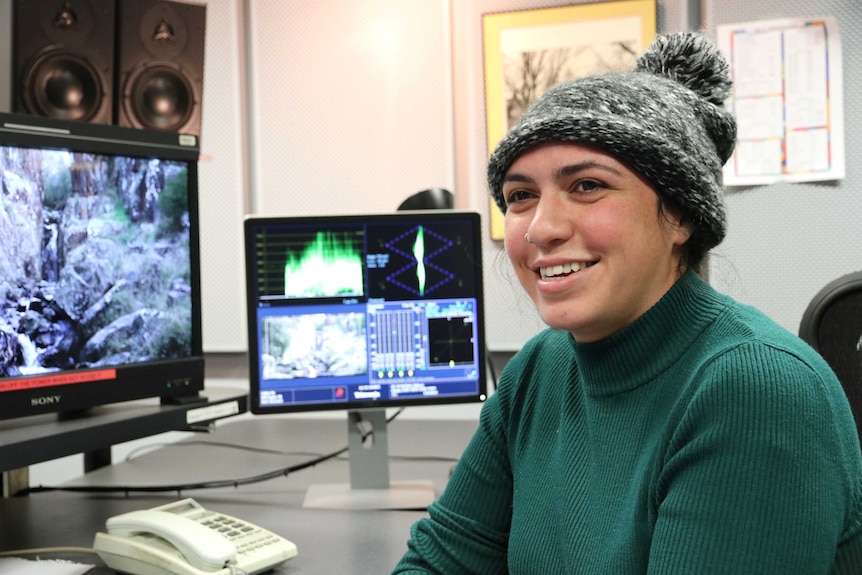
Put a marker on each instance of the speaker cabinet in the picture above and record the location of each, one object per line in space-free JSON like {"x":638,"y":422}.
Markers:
{"x":160,"y":65}
{"x":63,"y":54}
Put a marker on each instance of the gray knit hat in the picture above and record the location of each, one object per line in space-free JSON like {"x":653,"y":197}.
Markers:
{"x":665,"y":119}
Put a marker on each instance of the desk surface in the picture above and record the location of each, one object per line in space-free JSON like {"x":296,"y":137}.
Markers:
{"x":354,"y":542}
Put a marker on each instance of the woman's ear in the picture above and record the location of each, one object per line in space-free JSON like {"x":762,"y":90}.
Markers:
{"x":678,"y":227}
{"x":681,"y":231}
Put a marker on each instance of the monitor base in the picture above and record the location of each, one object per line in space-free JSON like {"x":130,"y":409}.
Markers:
{"x":416,"y":494}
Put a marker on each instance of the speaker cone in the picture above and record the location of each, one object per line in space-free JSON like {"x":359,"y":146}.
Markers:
{"x":62,"y":85}
{"x":160,"y":97}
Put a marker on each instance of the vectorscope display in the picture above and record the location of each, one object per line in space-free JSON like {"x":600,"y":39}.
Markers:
{"x":367,"y":309}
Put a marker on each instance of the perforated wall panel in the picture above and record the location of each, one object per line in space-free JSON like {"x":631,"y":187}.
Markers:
{"x":787,"y":240}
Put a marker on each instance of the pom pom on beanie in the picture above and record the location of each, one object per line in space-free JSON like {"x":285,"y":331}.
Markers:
{"x":665,"y":119}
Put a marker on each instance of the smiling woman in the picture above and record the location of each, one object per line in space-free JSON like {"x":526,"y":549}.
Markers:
{"x":657,"y":426}
{"x":600,"y":252}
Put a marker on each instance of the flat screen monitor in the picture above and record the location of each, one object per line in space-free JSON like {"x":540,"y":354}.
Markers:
{"x":100,"y":269}
{"x":360,"y":313}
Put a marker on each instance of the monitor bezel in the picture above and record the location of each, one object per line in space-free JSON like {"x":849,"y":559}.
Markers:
{"x":174,"y":380}
{"x":474,"y":220}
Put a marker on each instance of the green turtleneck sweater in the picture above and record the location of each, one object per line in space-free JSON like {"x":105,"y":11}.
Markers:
{"x":701,"y":439}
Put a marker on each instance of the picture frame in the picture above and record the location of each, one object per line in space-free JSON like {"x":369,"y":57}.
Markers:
{"x":528,"y":51}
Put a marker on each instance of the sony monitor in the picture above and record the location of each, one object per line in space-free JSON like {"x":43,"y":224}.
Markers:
{"x":360,"y":313}
{"x":100,"y":269}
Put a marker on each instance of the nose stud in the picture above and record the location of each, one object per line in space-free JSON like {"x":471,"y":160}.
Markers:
{"x":527,"y":238}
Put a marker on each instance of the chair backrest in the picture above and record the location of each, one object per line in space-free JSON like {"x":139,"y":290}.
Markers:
{"x":430,"y":199}
{"x":832,"y":325}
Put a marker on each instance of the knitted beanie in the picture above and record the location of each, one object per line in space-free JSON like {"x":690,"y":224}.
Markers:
{"x":665,"y":119}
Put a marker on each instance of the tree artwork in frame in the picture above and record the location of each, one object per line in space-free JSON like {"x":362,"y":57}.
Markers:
{"x":528,"y":51}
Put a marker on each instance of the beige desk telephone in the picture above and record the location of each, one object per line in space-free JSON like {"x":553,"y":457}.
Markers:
{"x":184,"y":538}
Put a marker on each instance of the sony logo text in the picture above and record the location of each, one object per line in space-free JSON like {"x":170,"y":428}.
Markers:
{"x":45,"y":400}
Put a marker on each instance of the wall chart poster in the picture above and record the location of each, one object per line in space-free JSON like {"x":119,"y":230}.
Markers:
{"x":787,"y":99}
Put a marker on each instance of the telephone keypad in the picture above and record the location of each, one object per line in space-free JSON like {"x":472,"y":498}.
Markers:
{"x":245,"y":537}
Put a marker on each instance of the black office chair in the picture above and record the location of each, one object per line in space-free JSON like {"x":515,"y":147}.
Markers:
{"x":832,"y":325}
{"x":430,"y":199}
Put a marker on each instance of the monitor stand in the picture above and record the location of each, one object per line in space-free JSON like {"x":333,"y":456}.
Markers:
{"x":369,"y":486}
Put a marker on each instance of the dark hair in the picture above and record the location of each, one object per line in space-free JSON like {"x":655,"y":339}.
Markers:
{"x":695,"y":249}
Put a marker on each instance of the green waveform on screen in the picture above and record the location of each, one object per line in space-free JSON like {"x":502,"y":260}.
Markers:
{"x":419,"y":254}
{"x":329,"y":266}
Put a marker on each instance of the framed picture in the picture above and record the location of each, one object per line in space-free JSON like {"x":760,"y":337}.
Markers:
{"x":528,"y":51}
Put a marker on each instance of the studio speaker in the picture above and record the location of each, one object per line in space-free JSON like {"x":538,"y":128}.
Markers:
{"x":160,"y":65}
{"x":63,"y":55}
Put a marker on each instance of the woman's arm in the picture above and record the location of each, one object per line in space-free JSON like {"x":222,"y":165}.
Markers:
{"x":762,"y":474}
{"x":468,"y":527}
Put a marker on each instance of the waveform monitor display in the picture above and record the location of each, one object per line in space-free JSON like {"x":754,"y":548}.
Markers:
{"x":310,"y":263}
{"x":364,"y":310}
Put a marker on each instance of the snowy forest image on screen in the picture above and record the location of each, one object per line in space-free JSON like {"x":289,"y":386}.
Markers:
{"x":95,"y":262}
{"x":314,"y":345}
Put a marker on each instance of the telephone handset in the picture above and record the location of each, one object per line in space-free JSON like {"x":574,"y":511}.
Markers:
{"x":184,"y":538}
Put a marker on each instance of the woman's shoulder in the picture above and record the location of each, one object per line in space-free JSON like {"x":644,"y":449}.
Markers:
{"x":743,"y":330}
{"x":758,"y":370}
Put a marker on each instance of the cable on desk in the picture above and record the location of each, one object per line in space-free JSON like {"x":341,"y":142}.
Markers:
{"x":46,"y":550}
{"x":180,"y":487}
{"x":135,"y":453}
{"x":491,"y":370}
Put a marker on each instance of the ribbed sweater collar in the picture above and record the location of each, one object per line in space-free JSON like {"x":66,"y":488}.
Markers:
{"x":641,"y":351}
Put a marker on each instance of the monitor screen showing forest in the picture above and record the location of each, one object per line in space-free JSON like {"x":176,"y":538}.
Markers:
{"x":99,"y":269}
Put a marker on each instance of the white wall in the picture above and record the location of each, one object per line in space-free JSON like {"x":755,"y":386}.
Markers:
{"x":224,"y":178}
{"x":344,"y":107}
{"x":351,"y":106}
